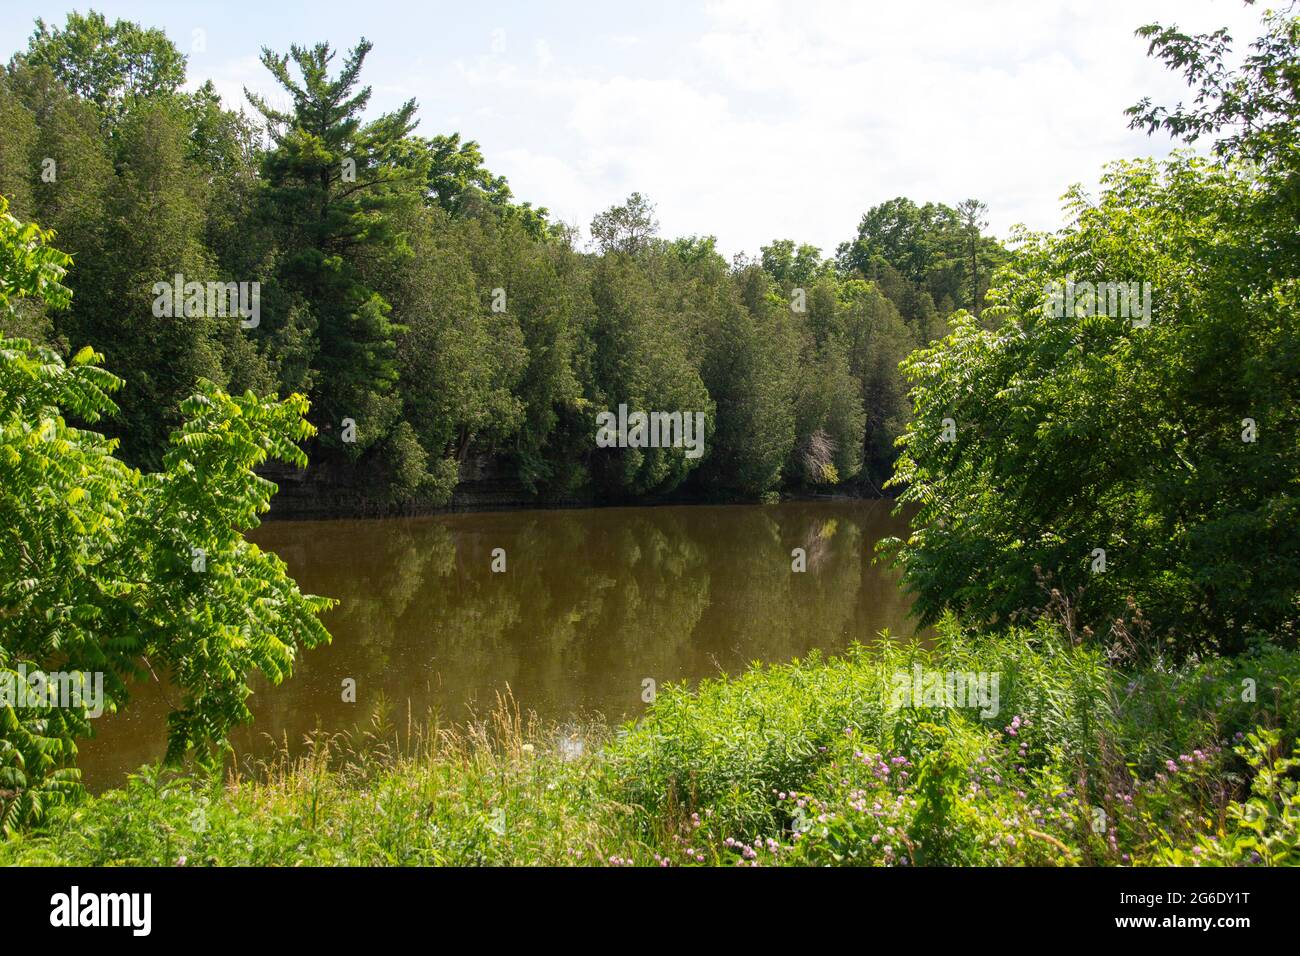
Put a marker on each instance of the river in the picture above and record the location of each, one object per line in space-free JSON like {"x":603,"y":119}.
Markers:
{"x":591,"y":605}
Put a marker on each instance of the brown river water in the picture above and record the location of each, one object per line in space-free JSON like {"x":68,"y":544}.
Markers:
{"x":591,"y":605}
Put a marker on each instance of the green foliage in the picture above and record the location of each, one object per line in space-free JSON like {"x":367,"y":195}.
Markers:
{"x":876,"y":339}
{"x":461,"y":184}
{"x":1265,"y":828}
{"x":111,"y":65}
{"x":627,"y":228}
{"x":107,"y":571}
{"x":640,"y":357}
{"x":29,"y":266}
{"x":1172,"y":447}
{"x":1062,"y":431}
{"x":329,"y":187}
{"x":791,"y":266}
{"x":379,"y":254}
{"x":1256,"y":100}
{"x":811,"y":763}
{"x":930,"y":260}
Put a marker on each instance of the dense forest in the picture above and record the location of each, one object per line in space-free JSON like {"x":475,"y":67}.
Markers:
{"x":404,"y":289}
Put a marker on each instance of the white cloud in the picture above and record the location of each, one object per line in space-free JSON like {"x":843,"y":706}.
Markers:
{"x":790,"y":119}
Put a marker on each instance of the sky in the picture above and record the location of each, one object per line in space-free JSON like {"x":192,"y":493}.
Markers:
{"x":747,"y":120}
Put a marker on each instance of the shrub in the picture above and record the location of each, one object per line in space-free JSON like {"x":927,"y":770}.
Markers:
{"x":108,"y":572}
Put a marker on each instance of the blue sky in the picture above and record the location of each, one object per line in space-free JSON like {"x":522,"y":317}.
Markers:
{"x":746,"y":119}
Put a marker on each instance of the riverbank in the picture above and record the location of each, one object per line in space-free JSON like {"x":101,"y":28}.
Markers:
{"x":484,"y":487}
{"x":1062,"y":760}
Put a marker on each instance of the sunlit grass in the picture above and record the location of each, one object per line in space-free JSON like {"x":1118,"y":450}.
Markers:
{"x":806,"y":763}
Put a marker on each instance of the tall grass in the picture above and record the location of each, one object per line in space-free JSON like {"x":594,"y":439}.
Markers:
{"x":804,"y":763}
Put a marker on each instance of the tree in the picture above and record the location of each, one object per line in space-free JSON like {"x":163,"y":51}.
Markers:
{"x":640,"y":358}
{"x":750,"y":366}
{"x":112,"y":66}
{"x":972,"y":215}
{"x":109,"y":573}
{"x":17,"y":148}
{"x":792,"y":267}
{"x":876,"y":339}
{"x":830,"y":421}
{"x":1252,"y":109}
{"x":154,"y":222}
{"x":460,"y":183}
{"x":1258,"y":101}
{"x":332,"y":183}
{"x":461,"y":362}
{"x":627,"y":228}
{"x":923,"y":257}
{"x":71,"y":197}
{"x":1129,"y":465}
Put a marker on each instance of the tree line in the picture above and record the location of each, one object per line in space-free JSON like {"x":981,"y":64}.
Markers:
{"x":434,"y":320}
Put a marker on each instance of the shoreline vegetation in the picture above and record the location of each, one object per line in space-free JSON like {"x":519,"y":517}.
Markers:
{"x":807,"y":763}
{"x":471,"y":497}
